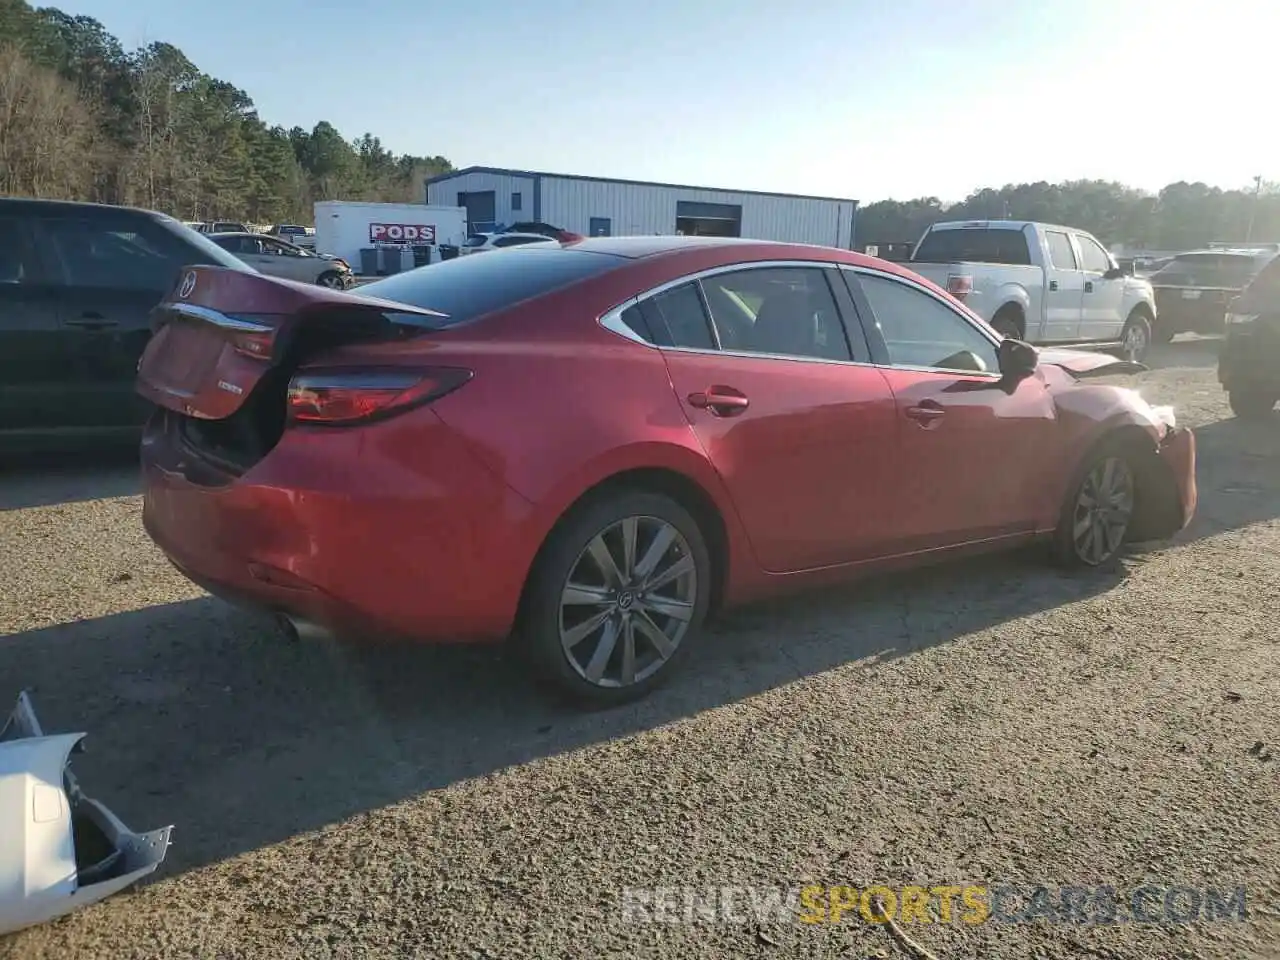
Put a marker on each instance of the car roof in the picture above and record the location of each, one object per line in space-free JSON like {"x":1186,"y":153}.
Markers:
{"x":636,"y":248}
{"x":36,"y":205}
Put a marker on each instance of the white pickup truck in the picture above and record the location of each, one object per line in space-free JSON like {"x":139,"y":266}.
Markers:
{"x":1040,"y":283}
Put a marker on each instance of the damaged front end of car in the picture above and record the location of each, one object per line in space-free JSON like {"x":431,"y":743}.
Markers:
{"x":59,"y":850}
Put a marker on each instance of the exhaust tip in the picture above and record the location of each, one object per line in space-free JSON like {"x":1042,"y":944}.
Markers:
{"x":296,"y":629}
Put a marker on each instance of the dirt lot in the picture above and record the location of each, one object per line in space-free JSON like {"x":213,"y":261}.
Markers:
{"x":996,"y":723}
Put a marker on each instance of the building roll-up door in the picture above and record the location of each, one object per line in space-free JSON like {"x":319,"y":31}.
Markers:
{"x":695,"y":219}
{"x":482,"y":209}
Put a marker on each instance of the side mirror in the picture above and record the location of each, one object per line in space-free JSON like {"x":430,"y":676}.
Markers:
{"x":1115,"y":273}
{"x":1018,"y":360}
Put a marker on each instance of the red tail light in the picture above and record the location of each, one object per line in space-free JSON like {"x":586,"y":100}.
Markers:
{"x":349,"y":395}
{"x":959,"y":285}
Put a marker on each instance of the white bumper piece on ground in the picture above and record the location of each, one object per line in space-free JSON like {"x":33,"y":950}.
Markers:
{"x":59,"y":850}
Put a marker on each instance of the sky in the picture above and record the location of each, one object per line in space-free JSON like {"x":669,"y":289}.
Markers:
{"x":851,"y":98}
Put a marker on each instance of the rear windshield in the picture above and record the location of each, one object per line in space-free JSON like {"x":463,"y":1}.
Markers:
{"x":975,"y":245}
{"x":1211,"y":269}
{"x":469,"y":287}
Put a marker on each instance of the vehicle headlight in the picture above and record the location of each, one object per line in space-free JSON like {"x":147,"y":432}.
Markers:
{"x":1241,"y":317}
{"x":1166,"y":416}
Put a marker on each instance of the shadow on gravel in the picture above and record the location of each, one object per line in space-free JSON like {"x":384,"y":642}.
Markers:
{"x":1193,"y":353}
{"x":202,"y":715}
{"x":42,"y":480}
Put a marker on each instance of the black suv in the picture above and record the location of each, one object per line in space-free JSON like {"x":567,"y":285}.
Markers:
{"x":1192,"y":290}
{"x":1249,"y":363}
{"x":77,"y":285}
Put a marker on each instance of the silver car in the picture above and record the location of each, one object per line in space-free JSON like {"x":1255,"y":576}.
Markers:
{"x":279,"y":258}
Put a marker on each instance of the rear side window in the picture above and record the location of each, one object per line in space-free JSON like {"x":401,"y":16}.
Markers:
{"x":16,"y":263}
{"x":678,"y":320}
{"x":469,"y":287}
{"x":139,"y":255}
{"x":1060,"y":253}
{"x":976,"y":245}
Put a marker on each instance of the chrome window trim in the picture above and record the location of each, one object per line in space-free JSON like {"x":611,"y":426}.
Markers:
{"x":218,"y":319}
{"x":612,"y":320}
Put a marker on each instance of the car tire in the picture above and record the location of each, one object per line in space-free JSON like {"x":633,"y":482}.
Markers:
{"x":1163,"y":335}
{"x":332,"y":279}
{"x":1104,"y":495}
{"x":592,"y":671}
{"x":1008,"y":323}
{"x":1251,"y":404}
{"x":1135,"y":338}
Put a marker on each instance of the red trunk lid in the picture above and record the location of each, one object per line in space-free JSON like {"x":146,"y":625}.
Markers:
{"x":220,"y":331}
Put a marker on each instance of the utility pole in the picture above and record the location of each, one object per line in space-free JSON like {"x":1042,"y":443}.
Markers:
{"x":1253,"y":207}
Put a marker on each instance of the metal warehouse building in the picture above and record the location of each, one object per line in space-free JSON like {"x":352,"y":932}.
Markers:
{"x":598,"y":207}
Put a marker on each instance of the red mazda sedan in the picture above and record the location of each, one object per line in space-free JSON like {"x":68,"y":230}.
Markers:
{"x":592,"y":447}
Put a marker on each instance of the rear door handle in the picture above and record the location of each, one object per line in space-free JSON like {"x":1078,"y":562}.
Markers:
{"x":1053,"y":284}
{"x":720,"y":401}
{"x":927,"y":413}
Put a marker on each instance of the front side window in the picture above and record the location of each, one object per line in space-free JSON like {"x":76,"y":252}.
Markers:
{"x":1060,"y":253}
{"x":784,"y":311}
{"x":921,"y":331}
{"x":1093,"y":259}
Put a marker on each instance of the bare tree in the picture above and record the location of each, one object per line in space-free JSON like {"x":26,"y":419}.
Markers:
{"x":45,"y":130}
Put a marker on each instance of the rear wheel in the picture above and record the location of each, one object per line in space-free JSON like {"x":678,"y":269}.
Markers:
{"x":617,"y":597}
{"x":1252,"y":404}
{"x":1098,"y":511}
{"x":1008,"y":323}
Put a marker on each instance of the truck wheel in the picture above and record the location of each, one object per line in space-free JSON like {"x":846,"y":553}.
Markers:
{"x":1008,"y":323}
{"x":1251,"y":404}
{"x":1135,"y":338}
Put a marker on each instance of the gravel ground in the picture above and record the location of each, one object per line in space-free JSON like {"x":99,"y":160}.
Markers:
{"x":991,"y":723}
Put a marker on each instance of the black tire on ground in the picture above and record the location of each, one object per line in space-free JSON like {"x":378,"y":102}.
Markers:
{"x":538,"y":633}
{"x":1008,"y":323}
{"x":1162,"y":334}
{"x":1251,"y":404}
{"x":1136,"y":336}
{"x":1066,"y":549}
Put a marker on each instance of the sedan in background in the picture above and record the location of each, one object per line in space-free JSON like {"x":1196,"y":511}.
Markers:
{"x":279,"y":258}
{"x":484,"y":242}
{"x":1193,"y":289}
{"x":592,"y":447}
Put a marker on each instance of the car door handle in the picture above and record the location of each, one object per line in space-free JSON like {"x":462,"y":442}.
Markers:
{"x":1053,"y":284}
{"x":1088,"y":286}
{"x":91,"y":321}
{"x":927,"y":413}
{"x":720,"y":401}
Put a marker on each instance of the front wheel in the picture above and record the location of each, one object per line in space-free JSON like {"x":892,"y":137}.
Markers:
{"x":1098,"y":511}
{"x":1251,"y":404}
{"x":1135,"y":338}
{"x":332,"y":279}
{"x":617,"y":597}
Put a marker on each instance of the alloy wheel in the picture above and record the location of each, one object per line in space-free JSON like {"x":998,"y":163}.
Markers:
{"x":1135,"y":341}
{"x":1104,"y":508}
{"x":628,"y":602}
{"x":331,"y":280}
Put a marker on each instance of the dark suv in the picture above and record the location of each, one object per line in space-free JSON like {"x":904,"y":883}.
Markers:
{"x":1192,"y":289}
{"x":1249,"y":363}
{"x":77,"y":285}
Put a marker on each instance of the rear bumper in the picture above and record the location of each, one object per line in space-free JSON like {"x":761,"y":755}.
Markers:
{"x":1207,"y":314}
{"x":366,"y":533}
{"x":1250,"y":357}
